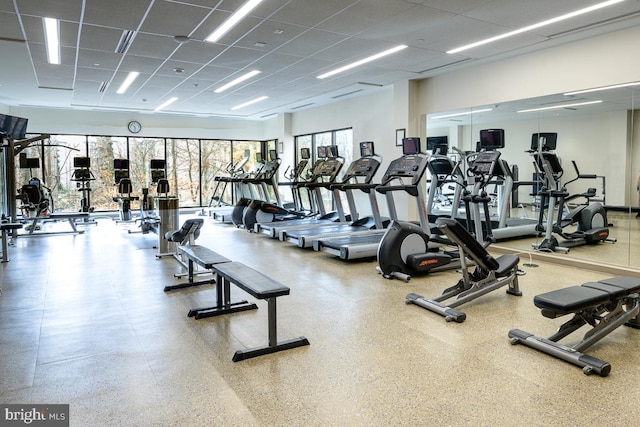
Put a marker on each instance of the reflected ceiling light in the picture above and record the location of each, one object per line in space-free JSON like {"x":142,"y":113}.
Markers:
{"x":127,"y":82}
{"x":557,"y":107}
{"x":232,"y":21}
{"x":238,"y":80}
{"x":597,"y":89}
{"x":538,"y":25}
{"x":52,"y":38}
{"x":446,"y":116}
{"x":166,"y":103}
{"x":254,"y":101}
{"x":363,"y":61}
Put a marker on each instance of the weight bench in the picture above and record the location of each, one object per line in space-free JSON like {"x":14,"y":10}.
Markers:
{"x":71,"y":217}
{"x":259,"y":286}
{"x":489,"y":274}
{"x":605,"y":305}
{"x":7,"y":227}
{"x":197,"y":255}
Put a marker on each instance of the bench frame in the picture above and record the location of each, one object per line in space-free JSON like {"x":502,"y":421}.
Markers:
{"x":7,"y":228}
{"x":69,"y":216}
{"x":225,"y":306}
{"x":193,"y":259}
{"x":604,"y":318}
{"x":485,"y":278}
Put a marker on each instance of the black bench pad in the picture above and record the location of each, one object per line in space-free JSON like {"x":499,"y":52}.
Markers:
{"x":202,"y":256}
{"x":251,"y":281}
{"x":591,"y":294}
{"x":10,"y":226}
{"x":570,"y":299}
{"x":506,"y":264}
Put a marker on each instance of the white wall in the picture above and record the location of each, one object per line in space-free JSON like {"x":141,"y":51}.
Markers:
{"x":115,"y":123}
{"x":594,"y":62}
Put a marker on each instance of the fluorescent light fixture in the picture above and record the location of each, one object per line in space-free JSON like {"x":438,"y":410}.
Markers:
{"x":254,"y":101}
{"x":238,"y":80}
{"x":446,"y":116}
{"x":597,"y":89}
{"x":363,"y":61}
{"x":538,"y":25}
{"x":127,"y":82}
{"x":52,"y":37}
{"x":232,"y":21}
{"x":166,"y":103}
{"x":557,"y":107}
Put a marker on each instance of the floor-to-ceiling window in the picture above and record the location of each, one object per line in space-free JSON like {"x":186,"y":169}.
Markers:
{"x":191,"y":166}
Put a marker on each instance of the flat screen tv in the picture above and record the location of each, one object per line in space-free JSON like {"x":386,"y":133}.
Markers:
{"x":332,"y":151}
{"x":305,"y":153}
{"x":13,"y":127}
{"x":157,"y":163}
{"x":82,"y":162}
{"x":491,"y":139}
{"x":545,"y":141}
{"x":273,"y":155}
{"x":366,"y":149}
{"x":438,"y":144}
{"x":411,"y":145}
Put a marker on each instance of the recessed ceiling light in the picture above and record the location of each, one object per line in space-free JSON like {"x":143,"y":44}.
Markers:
{"x":166,"y":103}
{"x":363,"y":61}
{"x":534,"y":26}
{"x":236,"y":81}
{"x":127,"y":82}
{"x":246,"y":104}
{"x":52,"y":36}
{"x":557,"y":107}
{"x":232,"y":21}
{"x":278,"y":31}
{"x":259,"y":44}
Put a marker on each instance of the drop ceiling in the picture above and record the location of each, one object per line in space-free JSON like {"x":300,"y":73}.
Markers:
{"x":289,"y":41}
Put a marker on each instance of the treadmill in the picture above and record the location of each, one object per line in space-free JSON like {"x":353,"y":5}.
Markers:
{"x":325,"y":172}
{"x":225,"y":214}
{"x":403,"y":174}
{"x":364,"y":169}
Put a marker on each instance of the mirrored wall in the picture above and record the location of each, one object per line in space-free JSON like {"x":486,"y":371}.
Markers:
{"x":597,"y":137}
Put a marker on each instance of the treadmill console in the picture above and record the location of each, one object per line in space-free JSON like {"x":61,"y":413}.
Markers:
{"x":485,"y":163}
{"x":412,"y":167}
{"x":365,"y":167}
{"x":328,"y":168}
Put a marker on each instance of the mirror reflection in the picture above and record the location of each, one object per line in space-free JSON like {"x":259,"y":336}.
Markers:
{"x":571,"y":165}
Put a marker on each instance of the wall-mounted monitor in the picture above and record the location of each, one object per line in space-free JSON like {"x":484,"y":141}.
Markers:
{"x":157,"y":164}
{"x":411,"y":145}
{"x":544,"y":141}
{"x":438,"y":144}
{"x":121,"y":164}
{"x":491,"y":139}
{"x":13,"y":127}
{"x":82,"y":162}
{"x":305,"y":153}
{"x":367,"y":149}
{"x":31,"y":163}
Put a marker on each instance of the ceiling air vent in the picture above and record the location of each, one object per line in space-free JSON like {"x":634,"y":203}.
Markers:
{"x":125,"y":41}
{"x":103,"y":87}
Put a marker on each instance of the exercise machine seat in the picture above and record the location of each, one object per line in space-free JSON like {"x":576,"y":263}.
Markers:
{"x":189,"y":226}
{"x":125,"y":186}
{"x":163,"y":186}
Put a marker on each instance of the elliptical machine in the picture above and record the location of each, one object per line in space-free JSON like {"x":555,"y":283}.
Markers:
{"x":589,"y":218}
{"x":406,"y":249}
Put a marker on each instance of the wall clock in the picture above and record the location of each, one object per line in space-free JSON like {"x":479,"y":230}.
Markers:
{"x":134,"y":126}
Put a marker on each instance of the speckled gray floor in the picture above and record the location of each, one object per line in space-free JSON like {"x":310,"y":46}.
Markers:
{"x":84,"y":321}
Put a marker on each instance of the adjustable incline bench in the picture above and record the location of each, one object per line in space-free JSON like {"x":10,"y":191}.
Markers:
{"x":258,"y":285}
{"x":489,"y":274}
{"x":605,"y":305}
